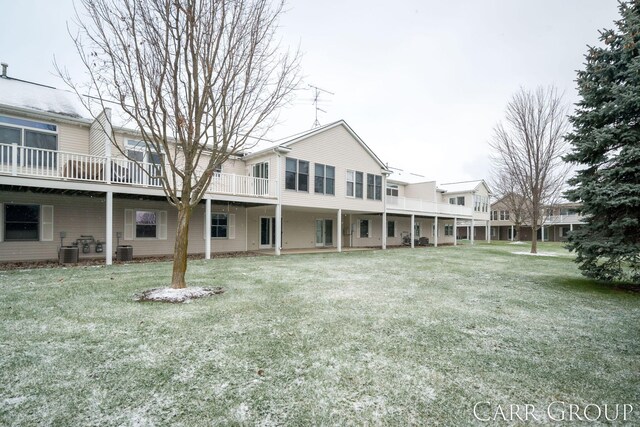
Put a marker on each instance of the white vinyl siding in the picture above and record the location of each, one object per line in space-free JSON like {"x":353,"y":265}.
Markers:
{"x":231,"y":224}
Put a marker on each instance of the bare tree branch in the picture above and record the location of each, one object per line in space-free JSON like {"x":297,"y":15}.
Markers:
{"x":527,"y":153}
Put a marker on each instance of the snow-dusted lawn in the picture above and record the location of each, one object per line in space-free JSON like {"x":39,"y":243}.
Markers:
{"x":386,"y":337}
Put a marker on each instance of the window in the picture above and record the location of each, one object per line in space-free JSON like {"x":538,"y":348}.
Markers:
{"x":354,"y":184}
{"x":297,"y":175}
{"x":219,"y":225}
{"x":359,"y":182}
{"x":351,"y":181}
{"x":364,"y":228}
{"x":42,"y":138}
{"x":504,"y":215}
{"x":374,"y":187}
{"x":325,"y":177}
{"x":392,"y":190}
{"x":456,"y":200}
{"x":146,"y":224}
{"x":494,"y":215}
{"x":21,"y":222}
{"x":448,"y":229}
{"x":391,"y":229}
{"x":148,"y":168}
{"x":261,"y":170}
{"x":480,"y":203}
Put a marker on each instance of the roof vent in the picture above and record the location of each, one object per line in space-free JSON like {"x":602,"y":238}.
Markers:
{"x":4,"y":69}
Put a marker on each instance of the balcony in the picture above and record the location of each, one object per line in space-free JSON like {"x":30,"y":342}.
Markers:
{"x":424,"y":207}
{"x":59,"y":165}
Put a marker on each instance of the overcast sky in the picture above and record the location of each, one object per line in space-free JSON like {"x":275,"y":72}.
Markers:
{"x":423,"y":83}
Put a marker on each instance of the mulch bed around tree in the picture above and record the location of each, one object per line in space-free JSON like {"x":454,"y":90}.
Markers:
{"x":177,"y":296}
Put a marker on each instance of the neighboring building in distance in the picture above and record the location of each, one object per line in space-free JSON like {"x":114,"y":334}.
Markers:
{"x":557,"y":222}
{"x":475,"y":195}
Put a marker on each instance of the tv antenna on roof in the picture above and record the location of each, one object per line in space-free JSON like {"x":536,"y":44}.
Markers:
{"x":316,"y":99}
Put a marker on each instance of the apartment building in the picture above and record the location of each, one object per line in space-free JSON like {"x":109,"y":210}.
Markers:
{"x":557,"y":222}
{"x":62,"y":183}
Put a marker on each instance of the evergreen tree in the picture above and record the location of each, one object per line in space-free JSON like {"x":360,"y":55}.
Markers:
{"x":606,"y":149}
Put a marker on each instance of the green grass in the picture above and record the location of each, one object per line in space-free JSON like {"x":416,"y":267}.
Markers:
{"x":391,"y":337}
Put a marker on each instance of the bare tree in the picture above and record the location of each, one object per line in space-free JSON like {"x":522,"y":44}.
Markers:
{"x":505,"y":189}
{"x":197,"y":78}
{"x":528,"y":148}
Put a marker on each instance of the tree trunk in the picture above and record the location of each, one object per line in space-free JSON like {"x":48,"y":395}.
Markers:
{"x":534,"y":239}
{"x":180,"y":248}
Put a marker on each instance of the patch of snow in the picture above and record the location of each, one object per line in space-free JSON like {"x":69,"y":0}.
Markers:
{"x":177,"y":295}
{"x":538,"y":254}
{"x":22,"y":94}
{"x":517,"y":243}
{"x":242,"y":412}
{"x":13,"y":400}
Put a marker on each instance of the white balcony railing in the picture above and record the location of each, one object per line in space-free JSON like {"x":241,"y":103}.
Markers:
{"x":425,"y":207}
{"x":51,"y":164}
{"x":564,"y":219}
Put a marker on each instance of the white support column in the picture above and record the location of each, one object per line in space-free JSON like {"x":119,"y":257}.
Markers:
{"x":350,"y":230}
{"x":207,"y":229}
{"x":278,"y":227}
{"x":279,"y":207}
{"x":570,"y":227}
{"x":488,"y":231}
{"x":435,"y":232}
{"x":455,"y":231}
{"x":413,"y":227}
{"x":473,"y":231}
{"x":109,"y":229}
{"x":542,"y":233}
{"x":339,"y":230}
{"x":384,"y":230}
{"x":512,"y":236}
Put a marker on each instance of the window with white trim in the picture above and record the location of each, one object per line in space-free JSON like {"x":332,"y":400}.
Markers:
{"x":223,"y":226}
{"x":324,"y":179}
{"x":456,"y":200}
{"x":374,"y":187}
{"x":145,"y":224}
{"x":297,"y":174}
{"x":39,"y":139}
{"x":504,"y":215}
{"x":448,"y":229}
{"x":148,"y":167}
{"x":261,"y":170}
{"x":355,"y":184}
{"x":392,"y":190}
{"x":391,"y":229}
{"x":364,"y":228}
{"x":21,"y":222}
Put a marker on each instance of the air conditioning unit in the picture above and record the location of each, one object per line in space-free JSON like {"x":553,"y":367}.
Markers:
{"x":124,"y":253}
{"x":68,"y":255}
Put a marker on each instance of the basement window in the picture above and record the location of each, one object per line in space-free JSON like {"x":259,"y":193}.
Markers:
{"x":146,"y":224}
{"x":21,"y":222}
